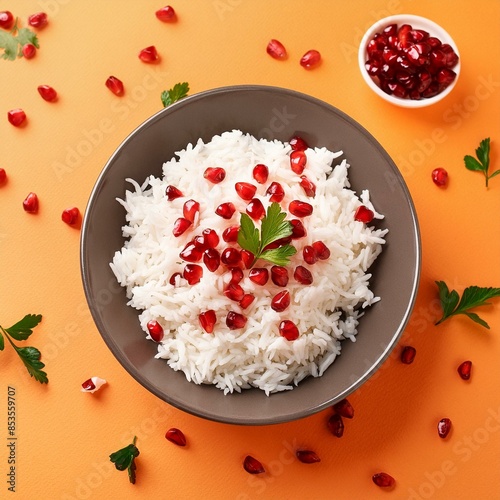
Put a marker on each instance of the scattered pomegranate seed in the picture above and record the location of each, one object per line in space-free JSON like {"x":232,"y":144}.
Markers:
{"x":93,"y":384}
{"x":230,"y":256}
{"x":211,"y":259}
{"x":255,"y":209}
{"x":245,"y":190}
{"x":225,"y":210}
{"x":191,"y":253}
{"x":298,"y":229}
{"x":279,"y":275}
{"x":192,"y":273}
{"x":303,"y":275}
{"x":300,"y":208}
{"x":236,"y":274}
{"x":235,"y":321}
{"x":444,"y":427}
{"x":173,"y":278}
{"x":180,"y":226}
{"x":252,"y":465}
{"x":310,"y":59}
{"x":149,"y":54}
{"x":247,"y":300}
{"x":307,"y":456}
{"x":322,"y":251}
{"x":207,"y":320}
{"x":176,"y":436}
{"x":260,"y":173}
{"x":309,"y":254}
{"x":172,"y":193}
{"x":308,"y":186}
{"x":199,"y":242}
{"x":383,"y":480}
{"x":38,"y":20}
{"x":280,"y":301}
{"x":47,"y":92}
{"x":298,"y":144}
{"x":115,"y":85}
{"x":214,"y":174}
{"x":259,"y":275}
{"x":440,"y":176}
{"x":230,"y":234}
{"x":408,"y":355}
{"x":298,"y":160}
{"x":335,"y":425}
{"x":6,"y":20}
{"x":210,"y":237}
{"x":233,"y":291}
{"x":16,"y":117}
{"x":30,"y":203}
{"x":248,"y":258}
{"x":288,"y":329}
{"x":190,"y":209}
{"x":276,"y":192}
{"x":464,"y":370}
{"x":155,"y":330}
{"x":276,"y":49}
{"x":344,"y":408}
{"x":29,"y":51}
{"x":363,"y":214}
{"x":166,"y":14}
{"x":70,"y":215}
{"x":3,"y":175}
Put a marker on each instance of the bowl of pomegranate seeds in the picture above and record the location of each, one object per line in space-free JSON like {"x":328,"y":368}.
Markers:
{"x":250,"y":255}
{"x":409,"y":60}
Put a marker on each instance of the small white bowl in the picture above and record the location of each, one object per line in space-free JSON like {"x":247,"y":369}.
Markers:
{"x":417,"y":22}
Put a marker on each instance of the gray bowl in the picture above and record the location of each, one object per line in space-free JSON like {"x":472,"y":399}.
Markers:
{"x":267,"y":112}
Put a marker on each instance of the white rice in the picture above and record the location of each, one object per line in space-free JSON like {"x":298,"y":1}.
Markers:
{"x":325,"y":312}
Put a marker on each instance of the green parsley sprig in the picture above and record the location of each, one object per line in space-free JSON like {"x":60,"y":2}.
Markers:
{"x":30,"y":356}
{"x":12,"y":42}
{"x":176,"y":93}
{"x":473,"y":296}
{"x":125,"y":459}
{"x":482,"y":163}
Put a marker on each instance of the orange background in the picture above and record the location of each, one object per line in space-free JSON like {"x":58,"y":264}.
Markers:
{"x":66,"y":436}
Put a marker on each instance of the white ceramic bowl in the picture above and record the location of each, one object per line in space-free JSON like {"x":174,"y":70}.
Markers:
{"x":417,"y":22}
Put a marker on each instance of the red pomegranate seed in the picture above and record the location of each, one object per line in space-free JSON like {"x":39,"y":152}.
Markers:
{"x":230,"y":234}
{"x":230,"y":256}
{"x":408,"y":354}
{"x":30,"y":203}
{"x":70,"y":215}
{"x":233,"y":291}
{"x":6,"y":20}
{"x":155,"y":330}
{"x":260,"y":173}
{"x":225,"y":210}
{"x":191,"y":253}
{"x":259,"y":275}
{"x":29,"y":51}
{"x":307,"y":456}
{"x":279,"y":275}
{"x":464,"y":370}
{"x":199,"y":242}
{"x":288,"y":329}
{"x":211,"y":259}
{"x":344,"y":408}
{"x":236,"y":275}
{"x":192,"y":273}
{"x":214,"y":174}
{"x":310,"y":59}
{"x":298,"y":229}
{"x":298,"y":160}
{"x":149,"y":54}
{"x":335,"y":425}
{"x":173,"y":278}
{"x":300,"y":208}
{"x":445,"y":77}
{"x":322,"y":251}
{"x":210,"y":237}
{"x":235,"y":321}
{"x":276,"y":49}
{"x":180,"y":226}
{"x":363,"y":214}
{"x":278,"y":243}
{"x":383,"y":480}
{"x":280,"y":301}
{"x":38,"y":20}
{"x":88,"y":385}
{"x":298,"y":144}
{"x":3,"y":175}
{"x":166,"y":14}
{"x":309,"y":254}
{"x":190,"y":209}
{"x":255,"y":209}
{"x":115,"y":85}
{"x":252,"y":465}
{"x":247,"y":258}
{"x":48,"y":93}
{"x":308,"y":186}
{"x":440,"y":176}
{"x":207,"y":320}
{"x":247,"y":300}
{"x":16,"y":117}
{"x":276,"y":192}
{"x":172,"y":193}
{"x":245,"y":190}
{"x":176,"y":436}
{"x":303,"y":275}
{"x":444,"y":427}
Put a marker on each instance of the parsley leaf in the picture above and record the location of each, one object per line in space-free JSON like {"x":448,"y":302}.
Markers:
{"x":24,"y":328}
{"x":473,"y":296}
{"x":12,"y":43}
{"x":482,"y":163}
{"x":176,"y":93}
{"x":10,"y":46}
{"x":125,"y":459}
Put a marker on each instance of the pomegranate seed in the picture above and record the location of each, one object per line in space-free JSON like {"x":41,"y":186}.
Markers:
{"x":190,"y":209}
{"x":48,"y":93}
{"x":225,"y":210}
{"x":303,"y":275}
{"x":335,"y":425}
{"x":173,"y":278}
{"x":252,"y":465}
{"x":276,"y":49}
{"x":93,"y":384}
{"x":214,"y":174}
{"x":30,"y":203}
{"x":199,"y":242}
{"x":245,"y":190}
{"x":16,"y":117}
{"x":3,"y":175}
{"x":322,"y":251}
{"x":247,"y":300}
{"x":440,"y":176}
{"x":279,"y":275}
{"x":230,"y":235}
{"x":281,"y":301}
{"x":191,"y":253}
{"x":383,"y":480}
{"x":307,"y":456}
{"x":70,"y":215}
{"x":276,"y":191}
{"x":289,"y":330}
{"x":233,"y":291}
{"x":155,"y":330}
{"x":259,"y":275}
{"x":309,"y":254}
{"x":192,"y":273}
{"x":363,"y":214}
{"x":149,"y":54}
{"x":236,"y":275}
{"x":180,"y":226}
{"x":278,"y":243}
{"x":230,"y":256}
{"x":235,"y":321}
{"x":29,"y":51}
{"x":298,"y":144}
{"x":6,"y":20}
{"x":464,"y":370}
{"x":176,"y":436}
{"x":247,"y":258}
{"x":308,"y":186}
{"x":166,"y":14}
{"x":344,"y":408}
{"x":255,"y":209}
{"x":260,"y":173}
{"x":300,"y":208}
{"x":38,"y":20}
{"x":444,"y":427}
{"x":115,"y":85}
{"x":310,"y":59}
{"x":298,"y":160}
{"x":211,"y":259}
{"x":298,"y":229}
{"x":172,"y":193}
{"x":210,"y":237}
{"x":445,"y":77}
{"x":207,"y":320}
{"x":408,"y":355}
